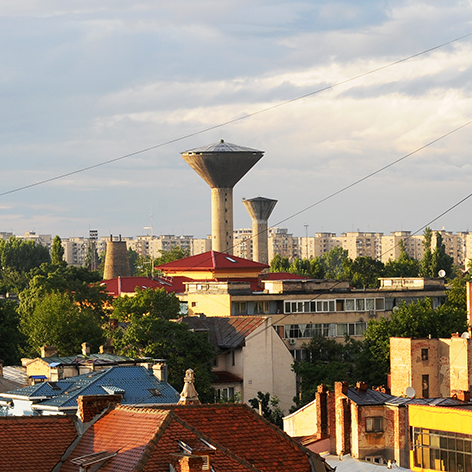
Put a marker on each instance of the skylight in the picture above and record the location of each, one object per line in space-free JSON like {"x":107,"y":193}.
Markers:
{"x":229,"y":259}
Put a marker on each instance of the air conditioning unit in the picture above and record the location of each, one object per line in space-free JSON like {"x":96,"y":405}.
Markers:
{"x":292,"y":341}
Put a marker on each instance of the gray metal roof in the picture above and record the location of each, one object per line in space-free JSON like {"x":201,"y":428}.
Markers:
{"x":221,"y":146}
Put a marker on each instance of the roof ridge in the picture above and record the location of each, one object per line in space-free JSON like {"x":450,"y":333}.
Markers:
{"x":216,"y":444}
{"x":151,"y":445}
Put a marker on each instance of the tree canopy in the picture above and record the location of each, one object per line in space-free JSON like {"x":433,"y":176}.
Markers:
{"x":155,"y":303}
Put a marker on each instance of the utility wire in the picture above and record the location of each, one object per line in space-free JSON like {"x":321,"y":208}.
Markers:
{"x":234,"y":120}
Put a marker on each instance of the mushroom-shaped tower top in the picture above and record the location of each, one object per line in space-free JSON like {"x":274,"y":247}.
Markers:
{"x":222,"y":165}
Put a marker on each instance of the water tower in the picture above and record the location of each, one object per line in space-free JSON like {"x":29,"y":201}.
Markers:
{"x":259,"y":209}
{"x":221,"y":166}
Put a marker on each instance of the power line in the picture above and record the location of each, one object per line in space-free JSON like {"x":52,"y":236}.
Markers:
{"x":234,"y":120}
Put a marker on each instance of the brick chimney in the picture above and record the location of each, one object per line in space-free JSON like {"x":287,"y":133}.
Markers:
{"x":90,"y":406}
{"x":321,"y":405}
{"x":186,"y":463}
{"x":159,"y":369}
{"x":1,"y":367}
{"x":48,"y":351}
{"x":462,"y":395}
{"x":85,"y":349}
{"x":361,"y":387}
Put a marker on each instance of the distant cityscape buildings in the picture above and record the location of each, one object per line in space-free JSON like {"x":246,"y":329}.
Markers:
{"x":280,"y":241}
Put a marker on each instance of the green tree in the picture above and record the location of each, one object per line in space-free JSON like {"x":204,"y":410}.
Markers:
{"x":404,"y":266}
{"x":279,"y":264}
{"x":151,"y":336}
{"x":133,"y":257}
{"x":333,"y":261}
{"x":156,"y":303}
{"x":59,"y":321}
{"x":440,"y":260}
{"x":174,"y":254}
{"x":57,"y":252}
{"x":425,"y":264}
{"x":21,"y":255}
{"x":270,"y":408}
{"x":92,"y":259}
{"x":81,"y":285}
{"x":10,"y":335}
{"x":326,"y":362}
{"x":363,"y":272}
{"x":417,"y":320}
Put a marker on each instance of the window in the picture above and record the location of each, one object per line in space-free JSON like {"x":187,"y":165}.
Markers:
{"x":374,"y":424}
{"x":261,"y":307}
{"x":240,"y":308}
{"x":425,"y":386}
{"x":424,"y":354}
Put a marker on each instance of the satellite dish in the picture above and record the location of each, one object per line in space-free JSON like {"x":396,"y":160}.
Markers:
{"x":395,"y":308}
{"x":410,"y":392}
{"x":465,"y":335}
{"x":442,"y":273}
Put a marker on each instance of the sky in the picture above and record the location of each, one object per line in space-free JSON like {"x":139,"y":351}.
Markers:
{"x":85,"y":82}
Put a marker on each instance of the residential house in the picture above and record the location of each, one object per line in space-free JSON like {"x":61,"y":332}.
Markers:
{"x":251,"y":357}
{"x":367,"y":424}
{"x":137,"y":385}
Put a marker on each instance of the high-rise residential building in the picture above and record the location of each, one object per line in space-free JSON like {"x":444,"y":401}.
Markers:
{"x":283,"y":243}
{"x":243,"y":243}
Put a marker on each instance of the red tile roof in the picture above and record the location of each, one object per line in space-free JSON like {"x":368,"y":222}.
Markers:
{"x":124,"y":285}
{"x":34,"y":442}
{"x":145,"y":439}
{"x":213,"y":260}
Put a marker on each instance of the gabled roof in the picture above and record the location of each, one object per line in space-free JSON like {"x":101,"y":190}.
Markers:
{"x":212,"y":260}
{"x":138,"y":383}
{"x":123,"y":285}
{"x":145,"y":439}
{"x":34,"y":442}
{"x":225,"y":332}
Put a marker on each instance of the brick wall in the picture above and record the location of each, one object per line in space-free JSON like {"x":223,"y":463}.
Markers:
{"x":90,"y":406}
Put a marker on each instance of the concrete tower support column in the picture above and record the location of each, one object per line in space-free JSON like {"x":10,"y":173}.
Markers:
{"x":260,"y":209}
{"x":222,"y":220}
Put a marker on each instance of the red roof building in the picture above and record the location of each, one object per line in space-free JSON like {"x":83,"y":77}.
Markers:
{"x":34,"y":442}
{"x":213,"y":265}
{"x":221,"y":437}
{"x":121,"y":286}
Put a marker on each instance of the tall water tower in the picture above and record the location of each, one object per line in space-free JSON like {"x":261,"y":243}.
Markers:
{"x":259,"y":209}
{"x":221,"y":166}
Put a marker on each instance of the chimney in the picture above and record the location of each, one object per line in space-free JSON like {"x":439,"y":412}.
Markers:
{"x":462,"y":395}
{"x":85,"y":349}
{"x":341,"y":388}
{"x":1,"y":367}
{"x":159,"y":369}
{"x":186,"y":463}
{"x":116,"y":260}
{"x":361,"y":386}
{"x":89,"y":406}
{"x":48,"y":351}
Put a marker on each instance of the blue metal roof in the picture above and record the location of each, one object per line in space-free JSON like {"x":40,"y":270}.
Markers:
{"x":137,"y":384}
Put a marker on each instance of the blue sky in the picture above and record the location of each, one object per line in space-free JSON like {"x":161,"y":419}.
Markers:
{"x":84,"y":82}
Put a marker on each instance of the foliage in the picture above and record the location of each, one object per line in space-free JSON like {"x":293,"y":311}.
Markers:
{"x":279,"y":264}
{"x":404,"y":266}
{"x":156,"y":303}
{"x":92,"y":259}
{"x":333,"y":261}
{"x":21,"y":255}
{"x":57,"y":252}
{"x":327,"y":361}
{"x":418,"y":320}
{"x":269,"y":406}
{"x":440,"y":260}
{"x":330,"y":265}
{"x":143,"y":265}
{"x":425,"y":264}
{"x":58,"y":320}
{"x":133,"y":257}
{"x":10,"y":335}
{"x":174,"y":254}
{"x":363,"y":271}
{"x":152,"y":336}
